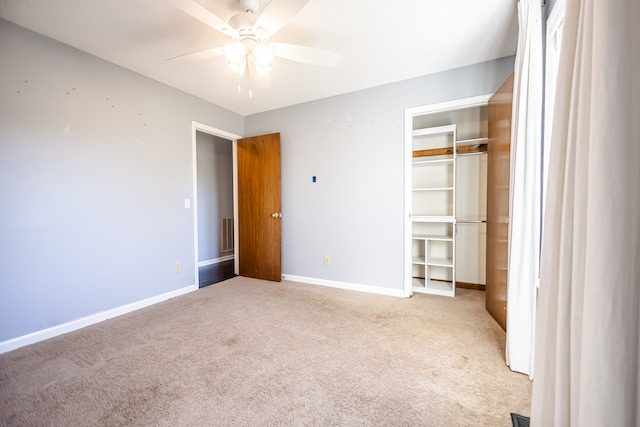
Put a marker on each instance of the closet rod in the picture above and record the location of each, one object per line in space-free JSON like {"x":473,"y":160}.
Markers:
{"x":475,"y":153}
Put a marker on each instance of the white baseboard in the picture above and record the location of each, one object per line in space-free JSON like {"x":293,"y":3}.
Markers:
{"x":215,"y":260}
{"x":344,"y":285}
{"x":82,"y":322}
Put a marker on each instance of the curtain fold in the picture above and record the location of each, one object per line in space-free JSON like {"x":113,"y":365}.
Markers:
{"x":525,"y":185}
{"x":587,"y":352}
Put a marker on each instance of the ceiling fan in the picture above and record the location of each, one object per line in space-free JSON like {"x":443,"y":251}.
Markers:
{"x":250,"y":24}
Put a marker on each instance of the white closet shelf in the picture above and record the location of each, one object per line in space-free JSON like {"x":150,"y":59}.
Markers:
{"x":440,"y":262}
{"x":440,"y":287}
{"x":434,"y":189}
{"x":418,"y":260}
{"x":418,"y":283}
{"x":432,"y":237}
{"x":432,"y":218}
{"x":434,"y":130}
{"x":437,"y":287}
{"x":436,"y":162}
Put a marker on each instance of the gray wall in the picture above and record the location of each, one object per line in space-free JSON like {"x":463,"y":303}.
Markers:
{"x":215,"y":192}
{"x":95,"y":164}
{"x":353,"y":144}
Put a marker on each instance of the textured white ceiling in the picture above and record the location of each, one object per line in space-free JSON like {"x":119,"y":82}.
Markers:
{"x":380,"y":41}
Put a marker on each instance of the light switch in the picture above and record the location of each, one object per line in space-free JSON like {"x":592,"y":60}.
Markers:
{"x":187,"y":203}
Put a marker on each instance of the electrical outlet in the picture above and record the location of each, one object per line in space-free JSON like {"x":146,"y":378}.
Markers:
{"x":177,"y":267}
{"x":327,"y":260}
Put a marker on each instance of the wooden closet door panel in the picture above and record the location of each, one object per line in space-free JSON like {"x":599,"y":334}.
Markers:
{"x":498,"y":173}
{"x":259,"y":223}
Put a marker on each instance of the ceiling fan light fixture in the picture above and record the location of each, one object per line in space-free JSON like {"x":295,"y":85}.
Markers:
{"x":263,"y":55}
{"x":255,"y":69}
{"x":262,"y":71}
{"x":235,"y":52}
{"x":239,"y":67}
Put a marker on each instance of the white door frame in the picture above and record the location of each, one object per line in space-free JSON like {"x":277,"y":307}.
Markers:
{"x":409,"y":115}
{"x":200,"y":127}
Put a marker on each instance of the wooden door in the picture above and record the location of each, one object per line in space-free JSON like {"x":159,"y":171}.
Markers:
{"x":498,"y":173}
{"x":259,"y":223}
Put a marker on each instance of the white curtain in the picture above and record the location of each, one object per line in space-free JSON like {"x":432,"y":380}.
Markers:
{"x":588,"y":330}
{"x":525,"y":196}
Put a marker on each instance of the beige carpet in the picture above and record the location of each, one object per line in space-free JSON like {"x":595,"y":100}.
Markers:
{"x":251,"y":353}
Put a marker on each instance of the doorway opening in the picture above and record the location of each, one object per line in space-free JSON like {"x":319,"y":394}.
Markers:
{"x":215,"y":204}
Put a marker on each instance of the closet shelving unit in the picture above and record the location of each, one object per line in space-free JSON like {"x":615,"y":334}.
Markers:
{"x":433,"y":217}
{"x":439,"y":172}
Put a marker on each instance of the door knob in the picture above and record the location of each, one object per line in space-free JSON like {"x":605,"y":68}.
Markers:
{"x":276,"y":215}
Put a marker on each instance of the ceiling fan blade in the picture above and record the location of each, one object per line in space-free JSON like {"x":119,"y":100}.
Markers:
{"x":277,"y":13}
{"x":201,"y":55}
{"x":308,"y":55}
{"x":217,"y":7}
{"x":205,"y":16}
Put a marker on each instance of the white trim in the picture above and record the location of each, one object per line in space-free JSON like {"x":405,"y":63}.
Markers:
{"x":216,"y":260}
{"x":556,"y":16}
{"x":200,"y":127}
{"x":213,"y":131}
{"x":345,"y":285}
{"x":236,"y":226}
{"x":456,"y":104}
{"x":407,"y":226}
{"x":82,"y":322}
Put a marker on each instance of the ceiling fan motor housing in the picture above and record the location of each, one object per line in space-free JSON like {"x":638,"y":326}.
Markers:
{"x":249,"y":6}
{"x":243,"y":23}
